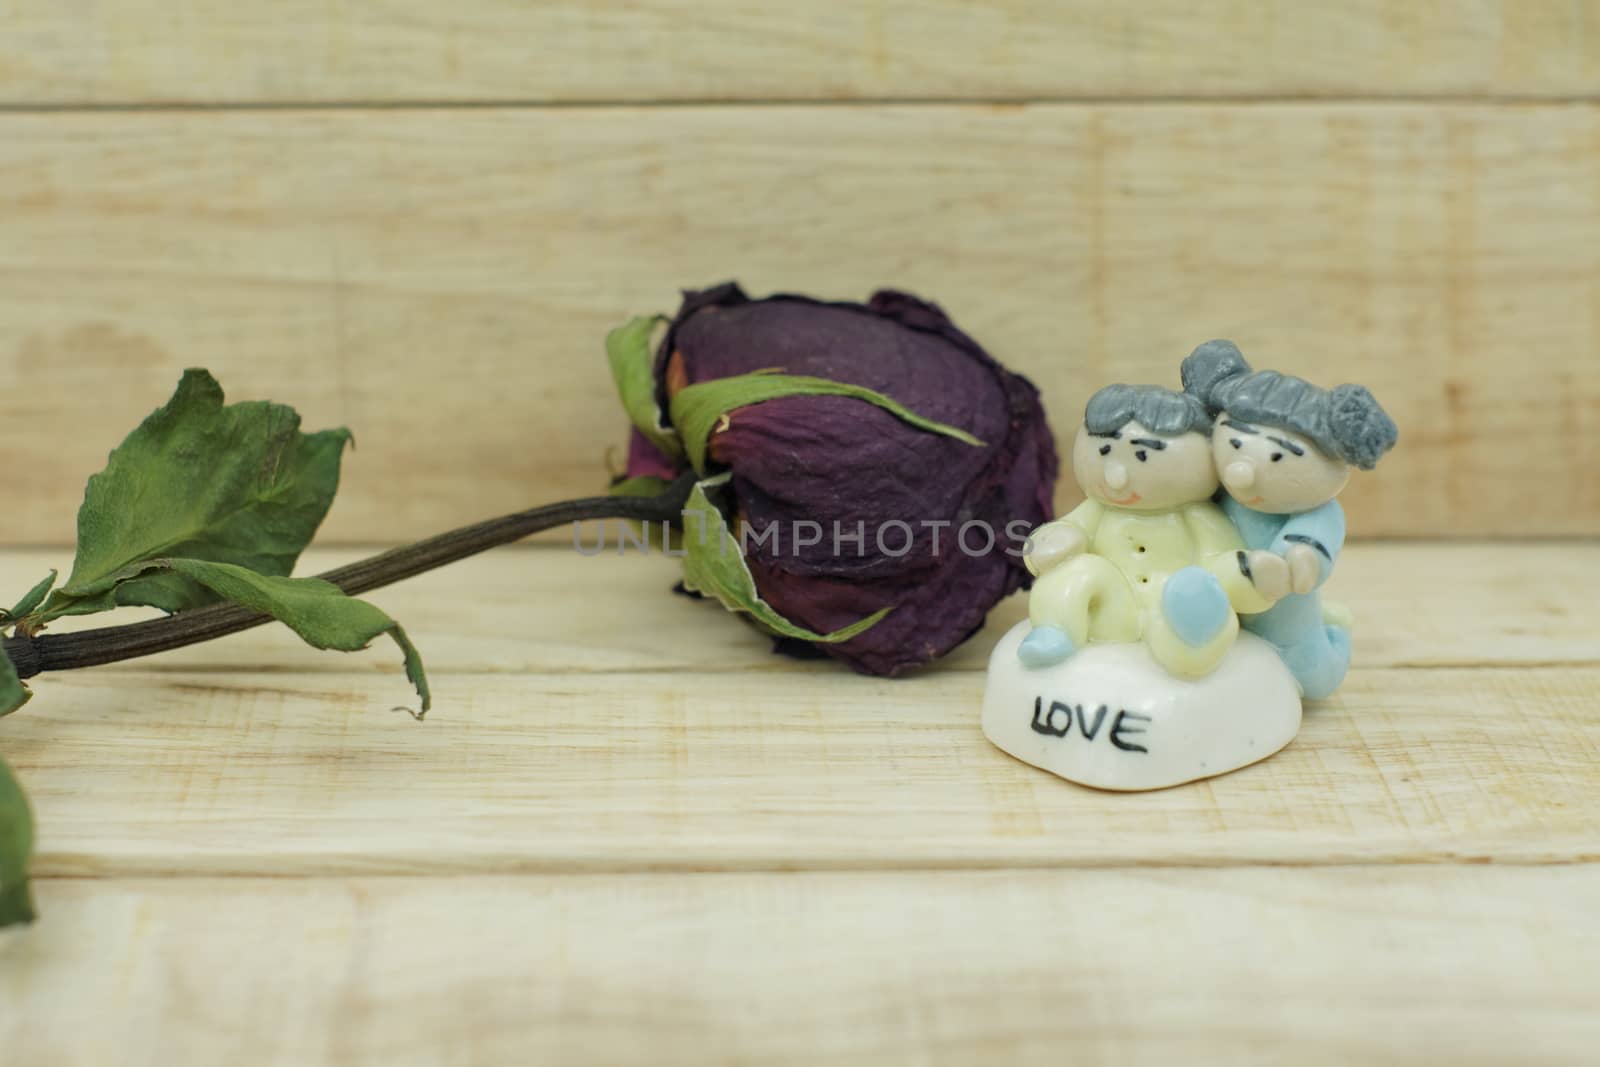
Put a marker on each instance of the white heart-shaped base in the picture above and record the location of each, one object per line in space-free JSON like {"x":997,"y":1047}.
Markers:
{"x":1110,"y":717}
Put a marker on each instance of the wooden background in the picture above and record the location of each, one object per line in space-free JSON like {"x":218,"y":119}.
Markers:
{"x":419,"y":219}
{"x":627,"y":832}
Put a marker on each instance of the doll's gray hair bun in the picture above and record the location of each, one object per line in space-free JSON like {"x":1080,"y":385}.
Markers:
{"x":1208,"y":367}
{"x":1346,"y":422}
{"x":1363,"y":430}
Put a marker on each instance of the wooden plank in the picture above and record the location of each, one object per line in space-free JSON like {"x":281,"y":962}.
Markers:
{"x":298,"y":51}
{"x":1429,"y":605}
{"x":281,"y":773}
{"x":441,"y":281}
{"x":1407,"y":966}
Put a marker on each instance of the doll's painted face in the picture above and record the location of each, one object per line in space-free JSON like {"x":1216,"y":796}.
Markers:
{"x":1271,"y":469}
{"x":1136,"y":468}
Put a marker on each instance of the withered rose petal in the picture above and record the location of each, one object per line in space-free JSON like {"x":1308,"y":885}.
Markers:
{"x":646,"y":461}
{"x":934,"y":609}
{"x":840,"y":463}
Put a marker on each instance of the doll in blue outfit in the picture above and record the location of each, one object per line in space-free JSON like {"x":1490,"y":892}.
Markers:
{"x":1283,"y":450}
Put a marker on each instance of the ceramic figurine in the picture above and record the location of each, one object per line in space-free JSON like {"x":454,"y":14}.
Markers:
{"x":1283,"y":450}
{"x":1132,"y":671}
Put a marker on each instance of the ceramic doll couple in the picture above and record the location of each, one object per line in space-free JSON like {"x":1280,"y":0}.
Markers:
{"x":1208,"y":508}
{"x":1151,"y":556}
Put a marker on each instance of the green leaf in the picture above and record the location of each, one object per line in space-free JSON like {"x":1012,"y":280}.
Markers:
{"x":696,"y":409}
{"x":13,"y":693}
{"x":320,"y":612}
{"x":30,"y":600}
{"x":16,"y":821}
{"x":200,"y":480}
{"x":16,"y":845}
{"x":633,"y":369}
{"x":713,"y":564}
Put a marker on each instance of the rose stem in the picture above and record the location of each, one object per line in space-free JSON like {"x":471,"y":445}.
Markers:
{"x":111,"y":644}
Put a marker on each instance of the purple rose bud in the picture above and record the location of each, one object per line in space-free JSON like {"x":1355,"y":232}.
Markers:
{"x":846,"y":508}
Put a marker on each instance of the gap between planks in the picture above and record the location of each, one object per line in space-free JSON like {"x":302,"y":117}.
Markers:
{"x":1442,"y":101}
{"x":588,"y":869}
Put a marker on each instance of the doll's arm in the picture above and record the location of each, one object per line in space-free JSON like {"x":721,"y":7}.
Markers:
{"x":1253,"y":581}
{"x":1058,"y":541}
{"x":1311,"y":541}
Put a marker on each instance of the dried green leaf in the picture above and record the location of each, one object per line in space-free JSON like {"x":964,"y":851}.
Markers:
{"x":696,"y":409}
{"x":13,"y":693}
{"x":30,"y":600}
{"x":16,"y":845}
{"x":320,"y":612}
{"x":633,"y":369}
{"x":198,"y":479}
{"x":713,"y":564}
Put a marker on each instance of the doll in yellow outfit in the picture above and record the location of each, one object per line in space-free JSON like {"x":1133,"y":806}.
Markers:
{"x":1148,"y":556}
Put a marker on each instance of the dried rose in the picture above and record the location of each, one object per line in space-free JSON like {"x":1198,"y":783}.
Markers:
{"x":877,"y":466}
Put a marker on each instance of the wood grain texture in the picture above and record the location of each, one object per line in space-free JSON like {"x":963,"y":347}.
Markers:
{"x":549,"y":610}
{"x":1408,"y":966}
{"x":299,"y":51}
{"x":441,"y":281}
{"x":286,"y":774}
{"x":629,"y":833}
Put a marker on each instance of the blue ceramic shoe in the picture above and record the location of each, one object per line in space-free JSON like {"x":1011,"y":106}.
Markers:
{"x":1045,"y":646}
{"x":1195,"y":606}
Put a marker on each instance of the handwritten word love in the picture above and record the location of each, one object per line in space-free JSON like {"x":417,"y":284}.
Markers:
{"x":1058,"y":720}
